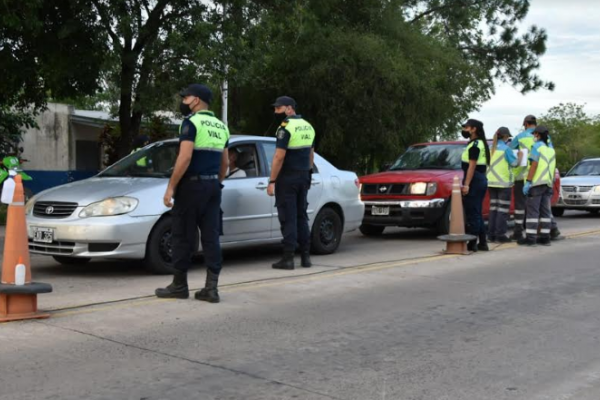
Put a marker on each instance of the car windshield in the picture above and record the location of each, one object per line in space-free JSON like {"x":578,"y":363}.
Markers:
{"x":435,"y":156}
{"x":586,"y":168}
{"x":154,"y":161}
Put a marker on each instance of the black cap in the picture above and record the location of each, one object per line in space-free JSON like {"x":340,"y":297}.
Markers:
{"x":503,"y":131}
{"x":473,"y":123}
{"x":198,"y":90}
{"x":284,"y":101}
{"x":541,"y":129}
{"x":530,"y":119}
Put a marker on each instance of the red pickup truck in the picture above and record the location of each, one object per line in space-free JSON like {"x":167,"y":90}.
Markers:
{"x":416,"y":190}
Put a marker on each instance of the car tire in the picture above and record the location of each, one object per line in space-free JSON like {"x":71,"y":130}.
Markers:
{"x":64,"y":260}
{"x":558,"y":212}
{"x":442,"y":226}
{"x":371,"y":230}
{"x":326,"y":232}
{"x":158,"y":249}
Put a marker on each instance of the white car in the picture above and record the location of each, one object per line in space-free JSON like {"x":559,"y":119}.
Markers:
{"x":119,"y":214}
{"x":580,"y":188}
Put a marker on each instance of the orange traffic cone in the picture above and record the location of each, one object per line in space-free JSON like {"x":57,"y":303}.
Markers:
{"x":18,"y":302}
{"x":456,"y":240}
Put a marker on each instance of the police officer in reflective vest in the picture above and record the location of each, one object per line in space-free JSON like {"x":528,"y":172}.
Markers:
{"x":538,"y":189}
{"x":291,"y":179}
{"x":523,"y":140}
{"x":500,"y":183}
{"x":475,"y":160}
{"x":195,"y":185}
{"x":140,"y":142}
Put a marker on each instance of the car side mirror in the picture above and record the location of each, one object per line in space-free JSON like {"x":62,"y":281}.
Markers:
{"x":385,"y":167}
{"x":562,"y":174}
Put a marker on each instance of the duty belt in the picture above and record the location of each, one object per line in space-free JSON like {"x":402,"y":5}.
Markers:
{"x":202,"y":177}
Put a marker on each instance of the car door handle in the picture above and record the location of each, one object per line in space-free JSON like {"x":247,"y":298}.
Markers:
{"x":313,"y":182}
{"x":261,"y":186}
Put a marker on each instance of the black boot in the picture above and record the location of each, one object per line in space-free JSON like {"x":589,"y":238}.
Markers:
{"x":483,"y":246}
{"x":287,"y":262}
{"x":178,"y":289}
{"x":472,"y":246}
{"x":527,"y":241}
{"x":555,"y":235}
{"x":210,"y":293}
{"x":305,"y":259}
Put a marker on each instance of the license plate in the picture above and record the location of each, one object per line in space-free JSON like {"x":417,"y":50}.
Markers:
{"x":43,"y":235}
{"x":380,"y":210}
{"x":574,"y":196}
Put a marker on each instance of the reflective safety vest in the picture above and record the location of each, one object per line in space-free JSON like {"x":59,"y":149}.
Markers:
{"x":544,"y":174}
{"x":520,"y":173}
{"x":302,"y":134}
{"x":500,"y":173}
{"x":211,"y":133}
{"x":142,"y":162}
{"x":481,"y":160}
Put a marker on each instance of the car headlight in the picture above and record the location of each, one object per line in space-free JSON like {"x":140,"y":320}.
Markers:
{"x":596,"y":189}
{"x":111,"y":206}
{"x":29,"y":205}
{"x":423,"y":188}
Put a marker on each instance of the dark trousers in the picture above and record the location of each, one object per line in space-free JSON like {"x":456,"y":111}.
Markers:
{"x":499,"y":211}
{"x":473,"y":204}
{"x":539,"y":212}
{"x":291,"y":192}
{"x":197,"y":205}
{"x":520,"y":208}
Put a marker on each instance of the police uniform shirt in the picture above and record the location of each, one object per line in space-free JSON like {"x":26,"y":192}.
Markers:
{"x":509,"y":155}
{"x":203,"y":162}
{"x":535,"y":151}
{"x":295,"y":159}
{"x":515,"y":143}
{"x":474,"y":155}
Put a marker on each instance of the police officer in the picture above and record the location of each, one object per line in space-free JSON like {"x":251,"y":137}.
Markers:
{"x":475,"y":160}
{"x":523,"y":140}
{"x":538,"y":189}
{"x":500,"y":183}
{"x":195,"y":185}
{"x":291,"y":179}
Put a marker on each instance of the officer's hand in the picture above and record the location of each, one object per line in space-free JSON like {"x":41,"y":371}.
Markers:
{"x":526,"y":188}
{"x":168,"y":199}
{"x":465,"y":190}
{"x":271,"y":189}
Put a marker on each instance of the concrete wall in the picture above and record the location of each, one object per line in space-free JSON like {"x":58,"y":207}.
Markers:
{"x":50,"y":147}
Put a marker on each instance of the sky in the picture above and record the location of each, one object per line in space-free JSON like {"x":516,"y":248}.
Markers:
{"x":572,"y":62}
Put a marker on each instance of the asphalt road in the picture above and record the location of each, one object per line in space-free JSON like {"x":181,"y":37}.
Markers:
{"x":386,"y":318}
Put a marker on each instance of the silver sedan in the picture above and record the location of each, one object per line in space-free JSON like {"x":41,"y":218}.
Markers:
{"x":119,"y":214}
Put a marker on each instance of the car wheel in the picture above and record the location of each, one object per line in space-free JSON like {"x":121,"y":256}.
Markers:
{"x":326,"y":232}
{"x":442,"y":226}
{"x":371,"y":230}
{"x":159,"y":253}
{"x":64,"y":260}
{"x":558,"y":212}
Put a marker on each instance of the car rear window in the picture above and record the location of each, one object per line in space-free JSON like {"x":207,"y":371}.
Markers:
{"x":433,"y":156}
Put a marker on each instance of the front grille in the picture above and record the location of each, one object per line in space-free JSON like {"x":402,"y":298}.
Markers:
{"x":579,"y":189}
{"x":384,"y":189}
{"x":52,"y":248}
{"x":102,"y":247}
{"x":53,"y":209}
{"x":575,"y":202}
{"x":595,"y":201}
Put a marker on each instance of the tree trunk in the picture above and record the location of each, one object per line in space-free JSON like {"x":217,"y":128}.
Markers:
{"x":126,"y":122}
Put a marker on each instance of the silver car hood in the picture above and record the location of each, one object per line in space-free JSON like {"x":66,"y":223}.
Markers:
{"x":94,"y":189}
{"x":588,"y":180}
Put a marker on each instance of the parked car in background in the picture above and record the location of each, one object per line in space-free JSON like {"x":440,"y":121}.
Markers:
{"x":580,"y":188}
{"x":119,"y":214}
{"x":416,"y":190}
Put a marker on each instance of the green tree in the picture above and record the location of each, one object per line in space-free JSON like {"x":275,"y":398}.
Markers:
{"x":376,"y":76}
{"x":575,"y":134}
